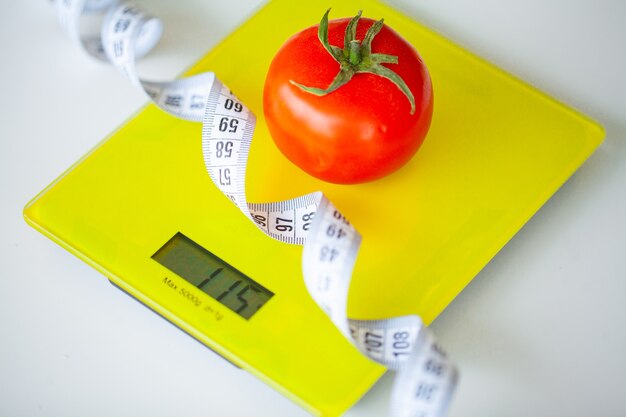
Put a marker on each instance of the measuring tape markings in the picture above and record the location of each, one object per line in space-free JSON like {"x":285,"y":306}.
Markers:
{"x":426,"y":378}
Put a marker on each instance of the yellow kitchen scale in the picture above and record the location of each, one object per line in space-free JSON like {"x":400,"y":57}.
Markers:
{"x":140,"y":208}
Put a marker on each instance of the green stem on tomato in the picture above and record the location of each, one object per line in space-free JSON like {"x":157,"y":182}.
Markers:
{"x":357,"y":57}
{"x":354,"y":55}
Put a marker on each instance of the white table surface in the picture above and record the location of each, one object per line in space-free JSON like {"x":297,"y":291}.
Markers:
{"x":539,"y":332}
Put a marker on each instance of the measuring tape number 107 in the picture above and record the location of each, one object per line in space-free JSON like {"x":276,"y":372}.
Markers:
{"x":426,"y":377}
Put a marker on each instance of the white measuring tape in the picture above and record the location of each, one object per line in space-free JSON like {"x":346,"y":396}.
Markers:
{"x":426,"y":378}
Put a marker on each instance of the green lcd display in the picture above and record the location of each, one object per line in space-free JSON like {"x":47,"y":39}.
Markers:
{"x":212,"y":275}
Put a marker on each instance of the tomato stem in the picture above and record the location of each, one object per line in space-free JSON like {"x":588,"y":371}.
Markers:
{"x":357,"y":57}
{"x":354,"y":55}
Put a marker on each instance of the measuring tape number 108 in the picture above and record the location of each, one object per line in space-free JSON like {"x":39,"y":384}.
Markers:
{"x":426,"y":377}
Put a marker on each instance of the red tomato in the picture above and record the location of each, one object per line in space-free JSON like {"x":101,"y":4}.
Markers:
{"x":364,"y":129}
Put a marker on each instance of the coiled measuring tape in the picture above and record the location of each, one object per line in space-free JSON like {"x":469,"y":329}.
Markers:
{"x":426,"y":377}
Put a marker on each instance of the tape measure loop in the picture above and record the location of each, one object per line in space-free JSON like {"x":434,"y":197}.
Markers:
{"x":426,"y":377}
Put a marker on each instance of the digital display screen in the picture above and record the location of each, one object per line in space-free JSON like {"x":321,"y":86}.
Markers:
{"x":212,"y":275}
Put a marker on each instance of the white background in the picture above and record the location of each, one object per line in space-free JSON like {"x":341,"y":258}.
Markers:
{"x":539,"y":332}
